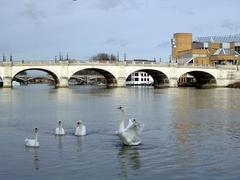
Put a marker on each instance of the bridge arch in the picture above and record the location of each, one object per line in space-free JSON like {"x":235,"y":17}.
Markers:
{"x":111,"y":80}
{"x":197,"y":78}
{"x":54,"y":76}
{"x":160,"y":78}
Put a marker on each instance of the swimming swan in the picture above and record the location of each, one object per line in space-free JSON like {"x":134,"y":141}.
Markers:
{"x":59,"y":130}
{"x":130,"y":134}
{"x":80,"y":129}
{"x":33,"y":142}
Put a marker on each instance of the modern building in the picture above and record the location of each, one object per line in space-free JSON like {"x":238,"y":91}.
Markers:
{"x":205,"y":50}
{"x":139,"y":78}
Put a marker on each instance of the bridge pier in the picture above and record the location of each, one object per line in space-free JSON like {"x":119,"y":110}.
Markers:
{"x":121,"y":82}
{"x":63,"y":82}
{"x":7,"y":74}
{"x":7,"y":82}
{"x":173,"y":82}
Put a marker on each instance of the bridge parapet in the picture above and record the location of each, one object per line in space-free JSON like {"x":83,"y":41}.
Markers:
{"x":113,"y":63}
{"x":33,"y":63}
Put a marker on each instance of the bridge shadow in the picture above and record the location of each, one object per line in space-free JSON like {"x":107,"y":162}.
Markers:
{"x":198,"y":79}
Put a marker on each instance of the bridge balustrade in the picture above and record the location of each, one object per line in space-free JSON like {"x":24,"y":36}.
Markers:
{"x":134,"y":63}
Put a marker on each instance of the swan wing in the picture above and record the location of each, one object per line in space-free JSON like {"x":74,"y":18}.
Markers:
{"x":130,"y":123}
{"x":80,"y":131}
{"x":83,"y":130}
{"x":59,"y":131}
{"x":31,"y":143}
{"x":131,"y":135}
{"x":135,"y":127}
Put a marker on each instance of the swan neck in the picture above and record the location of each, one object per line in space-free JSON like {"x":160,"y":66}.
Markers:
{"x":121,"y":126}
{"x":36,"y":137}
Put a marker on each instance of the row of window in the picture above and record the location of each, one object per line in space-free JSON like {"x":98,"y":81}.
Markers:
{"x":142,"y":79}
{"x":141,"y":74}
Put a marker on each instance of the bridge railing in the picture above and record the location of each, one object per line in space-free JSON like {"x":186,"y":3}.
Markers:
{"x":127,"y":63}
{"x":23,"y":62}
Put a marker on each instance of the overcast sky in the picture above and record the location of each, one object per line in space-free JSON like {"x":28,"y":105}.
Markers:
{"x":40,"y":29}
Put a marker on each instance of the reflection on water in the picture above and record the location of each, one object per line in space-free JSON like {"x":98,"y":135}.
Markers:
{"x":79,"y":142}
{"x":195,"y":133}
{"x":35,"y":154}
{"x":60,"y":140}
{"x":128,"y":156}
{"x":36,"y":158}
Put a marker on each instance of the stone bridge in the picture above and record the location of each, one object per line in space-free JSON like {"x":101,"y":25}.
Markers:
{"x":116,"y":73}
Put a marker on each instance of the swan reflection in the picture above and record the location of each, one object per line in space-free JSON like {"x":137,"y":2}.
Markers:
{"x":36,"y":158}
{"x":35,"y":152}
{"x":79,"y":143}
{"x":60,"y":140}
{"x":128,"y":157}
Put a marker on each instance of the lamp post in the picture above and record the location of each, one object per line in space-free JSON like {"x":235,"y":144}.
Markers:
{"x":237,"y":56}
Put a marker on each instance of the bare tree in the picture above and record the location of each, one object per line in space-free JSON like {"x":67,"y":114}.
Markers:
{"x":104,"y":57}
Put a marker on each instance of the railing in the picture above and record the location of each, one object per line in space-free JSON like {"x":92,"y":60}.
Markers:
{"x":16,"y":63}
{"x":111,"y":63}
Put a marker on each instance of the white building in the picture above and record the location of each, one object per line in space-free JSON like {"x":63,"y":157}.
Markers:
{"x":139,"y":78}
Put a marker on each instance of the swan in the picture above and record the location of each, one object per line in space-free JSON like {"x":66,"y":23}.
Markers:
{"x":80,"y":129}
{"x":33,"y":142}
{"x":130,"y":134}
{"x":59,"y":130}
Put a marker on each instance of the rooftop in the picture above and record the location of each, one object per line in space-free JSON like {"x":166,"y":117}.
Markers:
{"x":219,"y":39}
{"x":225,"y":51}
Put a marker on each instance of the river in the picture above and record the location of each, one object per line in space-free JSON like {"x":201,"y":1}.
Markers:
{"x":188,"y":133}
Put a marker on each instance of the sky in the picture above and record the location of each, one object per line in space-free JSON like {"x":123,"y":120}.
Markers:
{"x":141,"y":29}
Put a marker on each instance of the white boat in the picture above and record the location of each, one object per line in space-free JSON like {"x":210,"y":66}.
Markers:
{"x":15,"y":83}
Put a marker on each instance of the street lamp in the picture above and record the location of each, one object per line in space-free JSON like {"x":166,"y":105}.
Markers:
{"x":237,"y":56}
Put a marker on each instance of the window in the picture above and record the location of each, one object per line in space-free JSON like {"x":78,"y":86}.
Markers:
{"x":226,"y":45}
{"x":237,"y":48}
{"x":136,"y":79}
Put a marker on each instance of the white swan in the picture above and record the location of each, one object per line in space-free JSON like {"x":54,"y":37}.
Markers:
{"x":80,"y":129}
{"x":130,"y":134}
{"x":33,"y":142}
{"x":59,"y":130}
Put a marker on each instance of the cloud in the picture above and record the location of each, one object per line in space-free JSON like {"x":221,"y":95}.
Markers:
{"x":227,"y":24}
{"x":32,"y":11}
{"x":117,"y":4}
{"x":67,"y":7}
{"x":164,"y":44}
{"x":116,"y":42}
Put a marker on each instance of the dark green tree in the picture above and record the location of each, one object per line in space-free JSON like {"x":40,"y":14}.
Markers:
{"x":104,"y":57}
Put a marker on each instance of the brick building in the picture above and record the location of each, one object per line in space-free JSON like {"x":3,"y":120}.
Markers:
{"x":205,"y":50}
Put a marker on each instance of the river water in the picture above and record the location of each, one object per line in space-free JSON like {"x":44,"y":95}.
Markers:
{"x":188,"y":133}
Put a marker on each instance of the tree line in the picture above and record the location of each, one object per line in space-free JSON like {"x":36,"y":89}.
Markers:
{"x":104,"y":57}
